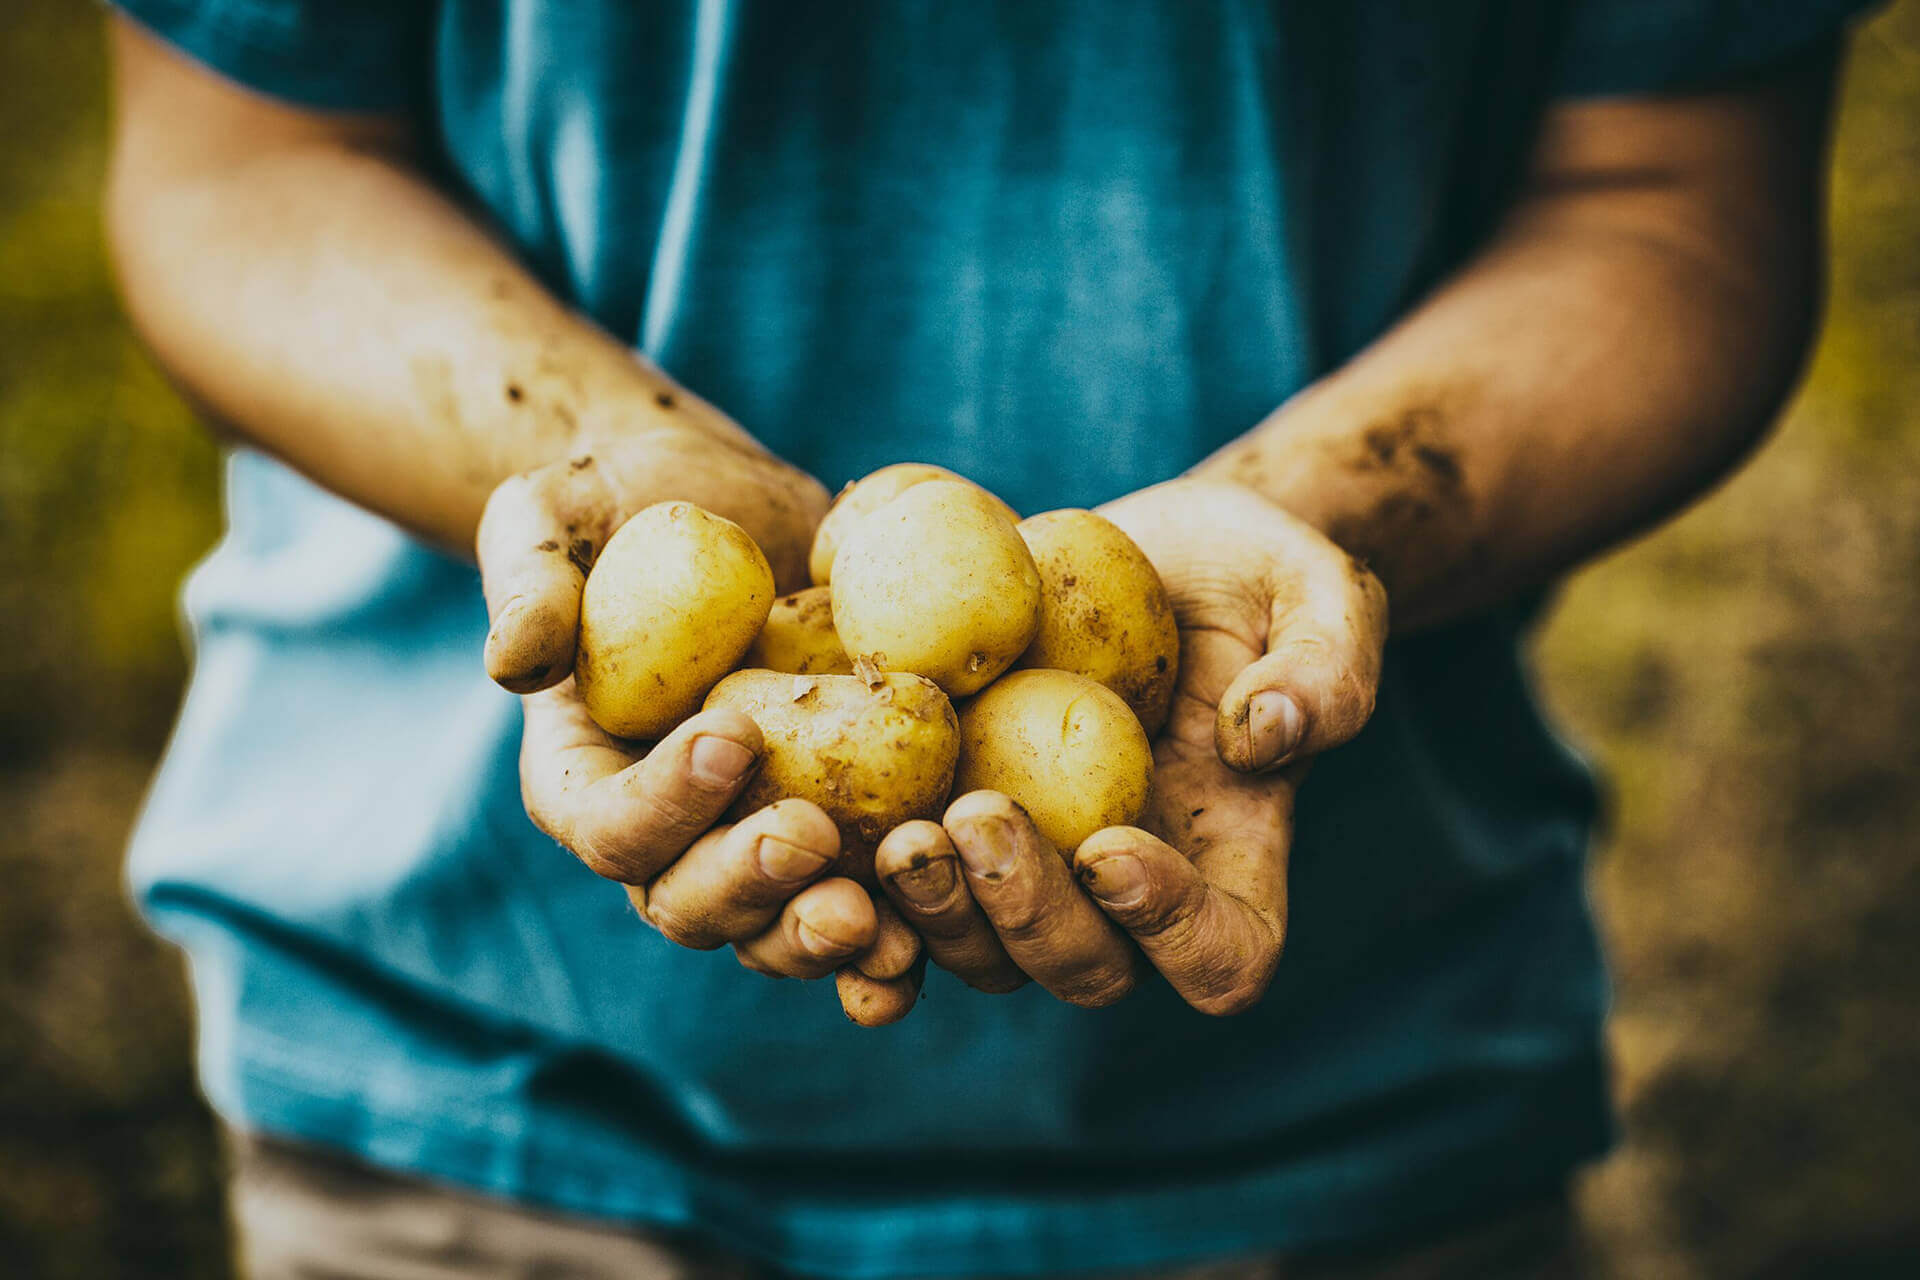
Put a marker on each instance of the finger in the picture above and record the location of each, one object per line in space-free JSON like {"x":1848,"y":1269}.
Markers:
{"x":538,"y":535}
{"x":816,"y":933}
{"x":1047,"y":925}
{"x":1216,"y":940}
{"x":920,"y":872}
{"x":732,"y":881}
{"x":626,"y":819}
{"x":1314,"y":687}
{"x":871,"y":1002}
{"x":895,"y":948}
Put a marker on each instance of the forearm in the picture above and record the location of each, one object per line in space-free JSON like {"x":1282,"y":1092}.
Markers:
{"x":1614,"y":350}
{"x":319,"y":297}
{"x":332,"y":308}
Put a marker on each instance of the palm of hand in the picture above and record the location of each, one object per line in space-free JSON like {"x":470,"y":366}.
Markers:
{"x":1280,"y":636}
{"x":647,"y":817}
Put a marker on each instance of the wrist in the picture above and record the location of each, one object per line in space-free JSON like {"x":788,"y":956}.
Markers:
{"x":1382,"y":478}
{"x":1291,"y":458}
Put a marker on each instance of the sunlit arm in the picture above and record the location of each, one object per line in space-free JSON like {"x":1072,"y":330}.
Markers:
{"x":321,"y":298}
{"x":1628,"y":334}
{"x":303,"y":279}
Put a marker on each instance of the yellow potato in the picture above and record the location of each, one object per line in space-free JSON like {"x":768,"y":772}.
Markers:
{"x":799,"y":637}
{"x":1103,"y":611}
{"x":865,"y":496}
{"x":672,"y":603}
{"x":1065,"y":747}
{"x":872,"y":750}
{"x":937,"y":582}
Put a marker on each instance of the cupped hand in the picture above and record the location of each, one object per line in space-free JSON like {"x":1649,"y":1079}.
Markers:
{"x":1281,"y":635}
{"x":648,"y":815}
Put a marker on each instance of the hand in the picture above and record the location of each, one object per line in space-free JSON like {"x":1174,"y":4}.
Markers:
{"x":645,"y":817}
{"x":1281,"y":636}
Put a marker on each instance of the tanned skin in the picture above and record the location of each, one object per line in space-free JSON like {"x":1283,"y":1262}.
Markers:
{"x":1623,"y":338}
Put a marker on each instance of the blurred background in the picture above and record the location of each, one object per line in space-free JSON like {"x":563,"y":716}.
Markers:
{"x":1749,"y":676}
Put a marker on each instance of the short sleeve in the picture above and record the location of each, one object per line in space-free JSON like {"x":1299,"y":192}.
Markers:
{"x":341,"y":55}
{"x":1669,"y":46}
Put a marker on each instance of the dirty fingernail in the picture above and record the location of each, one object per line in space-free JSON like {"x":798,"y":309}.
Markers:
{"x":719,"y":761}
{"x":788,"y":863}
{"x":1118,"y":879}
{"x":987,"y":849}
{"x":1275,"y":726}
{"x":928,"y":885}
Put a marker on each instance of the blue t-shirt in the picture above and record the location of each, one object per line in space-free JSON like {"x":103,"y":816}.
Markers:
{"x":1067,"y":248}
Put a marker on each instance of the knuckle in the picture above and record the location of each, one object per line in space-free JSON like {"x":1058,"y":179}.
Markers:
{"x":1169,"y":913}
{"x":1100,"y":987}
{"x":605,"y":853}
{"x":944,"y":925}
{"x":667,"y":816}
{"x":598,"y":863}
{"x":789,"y":960}
{"x":1239,"y":997}
{"x":977,"y":961}
{"x":1310,"y":651}
{"x":1158,"y":916}
{"x":997,"y":983}
{"x":748,"y":960}
{"x":678,"y":927}
{"x":1236,"y":989}
{"x":980,"y":962}
{"x":1024,"y":920}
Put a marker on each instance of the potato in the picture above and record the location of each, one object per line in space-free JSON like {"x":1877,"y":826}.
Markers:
{"x":938,"y":583}
{"x":1063,"y":746}
{"x":865,"y":496}
{"x":675,"y":599}
{"x":1103,"y":611}
{"x":873,"y":751}
{"x":799,"y":637}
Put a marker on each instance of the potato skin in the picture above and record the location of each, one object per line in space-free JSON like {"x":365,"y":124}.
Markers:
{"x":799,"y":637}
{"x":675,"y":599}
{"x":867,"y":495}
{"x":1103,"y":611}
{"x":937,"y":582}
{"x":1063,"y":746}
{"x":871,"y":755}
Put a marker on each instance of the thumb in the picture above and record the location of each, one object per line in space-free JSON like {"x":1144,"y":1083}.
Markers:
{"x":534,"y":549}
{"x":1314,"y":687}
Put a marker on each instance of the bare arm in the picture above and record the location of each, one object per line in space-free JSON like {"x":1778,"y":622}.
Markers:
{"x":313,"y":289}
{"x":1626,"y":337}
{"x":318,"y":295}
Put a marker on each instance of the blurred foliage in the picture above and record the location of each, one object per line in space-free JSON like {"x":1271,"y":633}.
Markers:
{"x":107,"y":491}
{"x":1749,"y":675}
{"x":106,"y":484}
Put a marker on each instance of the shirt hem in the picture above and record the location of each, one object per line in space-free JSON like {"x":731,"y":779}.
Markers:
{"x":1246,"y":1214}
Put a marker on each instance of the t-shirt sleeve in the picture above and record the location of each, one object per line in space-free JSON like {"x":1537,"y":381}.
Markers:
{"x":340,"y":55}
{"x":1671,"y":46}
